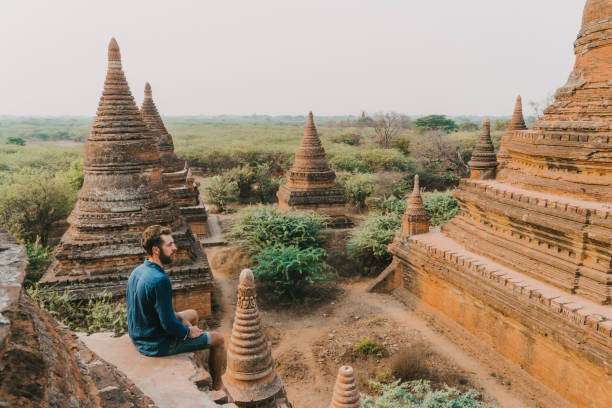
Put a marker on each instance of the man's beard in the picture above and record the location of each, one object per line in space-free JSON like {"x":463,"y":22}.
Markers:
{"x":165,"y":259}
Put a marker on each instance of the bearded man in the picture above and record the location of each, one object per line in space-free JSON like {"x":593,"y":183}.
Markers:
{"x":154,"y":327}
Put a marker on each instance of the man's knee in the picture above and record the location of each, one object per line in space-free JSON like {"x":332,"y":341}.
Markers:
{"x":191,"y":315}
{"x":216,"y":339}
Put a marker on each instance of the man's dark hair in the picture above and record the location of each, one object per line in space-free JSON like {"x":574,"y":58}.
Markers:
{"x":151,"y":237}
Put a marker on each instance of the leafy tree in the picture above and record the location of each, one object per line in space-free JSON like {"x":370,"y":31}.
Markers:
{"x":437,"y":153}
{"x":441,"y":207}
{"x":468,"y":127}
{"x":290,"y":270}
{"x":14,"y":140}
{"x":30,"y":203}
{"x":436,"y":122}
{"x":357,"y":187}
{"x":221,"y":191}
{"x":500,"y":125}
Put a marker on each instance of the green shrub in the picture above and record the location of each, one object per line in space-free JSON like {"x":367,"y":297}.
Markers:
{"x":14,"y":140}
{"x":244,"y":177}
{"x":290,"y":270}
{"x":369,"y":241}
{"x":441,"y":207}
{"x":266,"y":183}
{"x":97,"y":314}
{"x":370,"y":161}
{"x":31,"y":202}
{"x":357,"y":187}
{"x":221,"y":191}
{"x":349,"y":138}
{"x":40,"y":258}
{"x":402,"y":144}
{"x":388,"y":205}
{"x":368,"y":347}
{"x":262,"y":227}
{"x":419,"y":394}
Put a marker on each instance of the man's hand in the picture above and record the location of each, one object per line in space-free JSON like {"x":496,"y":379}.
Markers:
{"x":195,"y":331}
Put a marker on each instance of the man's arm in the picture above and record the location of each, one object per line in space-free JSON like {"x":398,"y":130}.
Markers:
{"x":165,"y":311}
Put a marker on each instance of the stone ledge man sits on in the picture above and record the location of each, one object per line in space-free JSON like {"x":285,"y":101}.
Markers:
{"x":154,"y":327}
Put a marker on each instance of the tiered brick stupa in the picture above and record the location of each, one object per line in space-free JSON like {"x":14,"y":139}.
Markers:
{"x":311,"y":183}
{"x":250,"y":376}
{"x":345,"y":394}
{"x":177,"y":176}
{"x":484,"y":161}
{"x":516,"y":123}
{"x":415,"y":219}
{"x":123,"y":193}
{"x":527,"y":266}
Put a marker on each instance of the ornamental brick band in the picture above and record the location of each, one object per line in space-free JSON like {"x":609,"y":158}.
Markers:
{"x":311,"y":183}
{"x":123,"y":193}
{"x":483,"y":162}
{"x":177,"y":176}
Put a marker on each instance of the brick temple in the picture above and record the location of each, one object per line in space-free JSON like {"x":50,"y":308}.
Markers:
{"x":527,"y":266}
{"x":176,"y":174}
{"x":311,"y":182}
{"x":123,"y":193}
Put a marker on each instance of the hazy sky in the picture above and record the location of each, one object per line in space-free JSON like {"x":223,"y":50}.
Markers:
{"x":287,"y":57}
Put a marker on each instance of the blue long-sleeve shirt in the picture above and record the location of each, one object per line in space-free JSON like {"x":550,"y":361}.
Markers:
{"x":152,"y":323}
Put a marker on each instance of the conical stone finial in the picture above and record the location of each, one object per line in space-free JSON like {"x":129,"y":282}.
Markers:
{"x":516,"y":123}
{"x":415,"y":219}
{"x":114,"y":55}
{"x":310,"y":155}
{"x":483,"y":161}
{"x":345,"y":394}
{"x":250,"y":376}
{"x":147,"y":90}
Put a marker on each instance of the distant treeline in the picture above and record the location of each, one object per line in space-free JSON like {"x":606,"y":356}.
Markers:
{"x":76,"y":128}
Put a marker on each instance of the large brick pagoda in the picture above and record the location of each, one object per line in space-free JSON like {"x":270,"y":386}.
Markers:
{"x":527,"y":266}
{"x":177,"y":176}
{"x":311,"y":183}
{"x":123,"y":193}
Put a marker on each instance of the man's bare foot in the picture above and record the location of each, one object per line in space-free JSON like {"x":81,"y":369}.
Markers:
{"x":222,"y":388}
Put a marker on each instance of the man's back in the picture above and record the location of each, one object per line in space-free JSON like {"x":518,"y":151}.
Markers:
{"x":152,"y":323}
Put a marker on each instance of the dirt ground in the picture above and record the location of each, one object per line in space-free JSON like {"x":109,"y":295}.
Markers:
{"x":309,"y":344}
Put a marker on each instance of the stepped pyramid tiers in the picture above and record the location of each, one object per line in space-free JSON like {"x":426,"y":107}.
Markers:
{"x":250,"y":377}
{"x":569,"y":150}
{"x":483,"y":162}
{"x":527,"y":266}
{"x":345,"y":394}
{"x":311,"y":183}
{"x":123,"y":193}
{"x":177,"y":176}
{"x":516,"y":123}
{"x":415,"y":219}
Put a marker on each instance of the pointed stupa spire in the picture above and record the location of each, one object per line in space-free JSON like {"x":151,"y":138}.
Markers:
{"x":163,"y":139}
{"x":483,"y":162}
{"x":415,"y":219}
{"x":345,"y":394}
{"x":516,"y":123}
{"x":114,"y":55}
{"x":250,"y":376}
{"x":310,"y":154}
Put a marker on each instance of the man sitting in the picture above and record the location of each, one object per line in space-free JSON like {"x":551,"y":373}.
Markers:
{"x":154,"y":327}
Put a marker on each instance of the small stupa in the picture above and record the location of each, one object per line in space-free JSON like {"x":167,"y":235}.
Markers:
{"x":250,"y":376}
{"x":311,"y":182}
{"x":483,"y":162}
{"x":516,"y":123}
{"x":123,"y":193}
{"x":415,"y":219}
{"x":345,"y":394}
{"x":176,"y":174}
